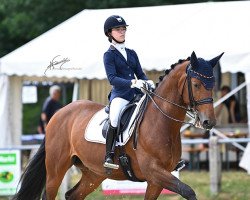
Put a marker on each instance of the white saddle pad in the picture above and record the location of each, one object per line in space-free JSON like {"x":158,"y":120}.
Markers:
{"x":93,"y":132}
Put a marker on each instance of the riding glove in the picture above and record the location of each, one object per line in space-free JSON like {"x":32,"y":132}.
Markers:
{"x":151,"y":84}
{"x":138,"y":83}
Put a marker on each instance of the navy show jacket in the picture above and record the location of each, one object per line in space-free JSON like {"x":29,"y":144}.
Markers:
{"x":120,"y":72}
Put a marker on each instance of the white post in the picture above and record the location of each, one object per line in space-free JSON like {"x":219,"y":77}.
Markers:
{"x":15,"y":109}
{"x":245,"y":160}
{"x":214,"y":165}
{"x":75,"y":95}
{"x":5,"y":111}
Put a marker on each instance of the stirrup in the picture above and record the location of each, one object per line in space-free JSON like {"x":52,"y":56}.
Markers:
{"x":110,"y":165}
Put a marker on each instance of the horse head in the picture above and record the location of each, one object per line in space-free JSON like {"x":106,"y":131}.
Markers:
{"x":199,"y":83}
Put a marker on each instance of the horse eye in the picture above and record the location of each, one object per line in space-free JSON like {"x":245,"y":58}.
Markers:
{"x":196,"y":85}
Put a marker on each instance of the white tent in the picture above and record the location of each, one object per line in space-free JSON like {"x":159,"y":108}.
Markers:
{"x":160,"y":35}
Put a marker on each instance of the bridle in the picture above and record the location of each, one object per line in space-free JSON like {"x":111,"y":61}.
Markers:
{"x":191,"y":109}
{"x":193,"y":102}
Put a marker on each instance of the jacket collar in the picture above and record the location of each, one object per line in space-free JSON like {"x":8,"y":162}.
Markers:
{"x":112,"y":48}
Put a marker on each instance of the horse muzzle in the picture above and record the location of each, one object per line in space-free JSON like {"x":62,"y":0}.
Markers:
{"x":208,"y":124}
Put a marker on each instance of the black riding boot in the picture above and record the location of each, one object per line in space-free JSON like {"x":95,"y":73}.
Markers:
{"x":110,"y":144}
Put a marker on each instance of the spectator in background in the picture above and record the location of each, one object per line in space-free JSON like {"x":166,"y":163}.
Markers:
{"x":40,"y":128}
{"x":51,"y":105}
{"x":222,"y":115}
{"x":232,"y":106}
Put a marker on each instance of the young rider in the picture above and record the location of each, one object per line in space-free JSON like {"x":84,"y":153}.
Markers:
{"x":124,"y":73}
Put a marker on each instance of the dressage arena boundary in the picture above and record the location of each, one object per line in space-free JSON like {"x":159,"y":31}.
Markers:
{"x":214,"y":159}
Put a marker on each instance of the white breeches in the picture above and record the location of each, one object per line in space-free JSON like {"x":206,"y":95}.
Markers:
{"x":116,"y":106}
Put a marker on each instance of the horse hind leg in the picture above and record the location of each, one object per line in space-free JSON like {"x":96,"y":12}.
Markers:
{"x":69,"y":193}
{"x":87,"y":184}
{"x":56,"y":170}
{"x":152,"y":191}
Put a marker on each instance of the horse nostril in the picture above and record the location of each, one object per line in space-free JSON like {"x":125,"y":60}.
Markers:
{"x":209,"y":124}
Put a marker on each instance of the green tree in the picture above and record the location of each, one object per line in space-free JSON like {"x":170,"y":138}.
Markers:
{"x":23,"y":20}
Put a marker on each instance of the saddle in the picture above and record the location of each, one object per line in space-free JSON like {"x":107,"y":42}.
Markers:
{"x":124,"y":117}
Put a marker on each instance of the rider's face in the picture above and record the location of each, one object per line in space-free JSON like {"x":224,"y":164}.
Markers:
{"x":119,"y":33}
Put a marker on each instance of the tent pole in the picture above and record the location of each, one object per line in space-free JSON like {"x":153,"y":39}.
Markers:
{"x":75,"y":95}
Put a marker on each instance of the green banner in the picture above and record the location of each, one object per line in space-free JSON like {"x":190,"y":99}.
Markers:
{"x":10,"y":171}
{"x":7,"y":159}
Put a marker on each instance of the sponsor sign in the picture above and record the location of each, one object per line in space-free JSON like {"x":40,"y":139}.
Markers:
{"x":10,"y":172}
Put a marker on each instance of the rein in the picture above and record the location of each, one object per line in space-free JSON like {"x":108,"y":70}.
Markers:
{"x":191,"y":109}
{"x":150,"y":95}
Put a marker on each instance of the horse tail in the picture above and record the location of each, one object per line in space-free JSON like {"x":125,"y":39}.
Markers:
{"x":33,"y":178}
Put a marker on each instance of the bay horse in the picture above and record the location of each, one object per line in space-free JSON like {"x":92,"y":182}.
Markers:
{"x":159,"y":141}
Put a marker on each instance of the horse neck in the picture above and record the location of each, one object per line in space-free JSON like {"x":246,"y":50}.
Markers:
{"x":166,"y":128}
{"x":158,"y":133}
{"x":169,"y":89}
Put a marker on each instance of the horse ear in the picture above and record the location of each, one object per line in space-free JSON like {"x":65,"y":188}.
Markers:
{"x":215,"y":60}
{"x":194,"y":60}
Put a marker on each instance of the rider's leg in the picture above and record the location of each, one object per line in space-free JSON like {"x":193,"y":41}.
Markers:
{"x":110,"y":139}
{"x":115,"y":108}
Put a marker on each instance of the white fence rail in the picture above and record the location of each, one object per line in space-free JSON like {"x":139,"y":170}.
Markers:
{"x":184,"y":141}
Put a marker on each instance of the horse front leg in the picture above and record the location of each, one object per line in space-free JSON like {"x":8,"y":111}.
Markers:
{"x":152,"y":191}
{"x":158,"y":176}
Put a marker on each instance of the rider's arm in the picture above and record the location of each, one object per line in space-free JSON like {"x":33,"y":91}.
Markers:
{"x":44,"y":119}
{"x":110,"y":69}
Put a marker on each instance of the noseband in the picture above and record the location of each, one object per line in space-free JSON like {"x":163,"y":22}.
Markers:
{"x":191,"y":109}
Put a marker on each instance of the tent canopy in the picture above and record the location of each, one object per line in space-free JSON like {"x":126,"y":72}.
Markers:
{"x":160,"y":35}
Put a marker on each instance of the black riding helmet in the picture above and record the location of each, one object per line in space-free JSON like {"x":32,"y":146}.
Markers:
{"x":113,"y":21}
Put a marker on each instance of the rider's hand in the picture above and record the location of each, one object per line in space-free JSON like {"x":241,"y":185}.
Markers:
{"x":137,"y":84}
{"x":151,"y":84}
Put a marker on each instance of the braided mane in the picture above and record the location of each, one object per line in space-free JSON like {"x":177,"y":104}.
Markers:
{"x":167,"y":71}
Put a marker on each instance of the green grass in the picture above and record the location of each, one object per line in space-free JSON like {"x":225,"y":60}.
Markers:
{"x":235,"y":186}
